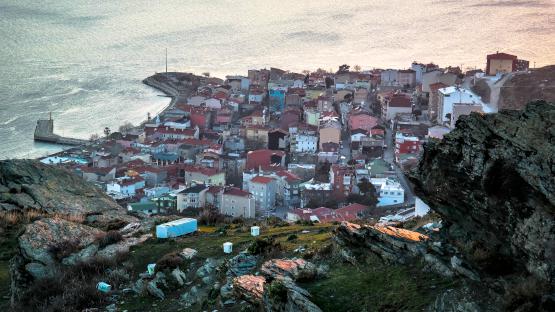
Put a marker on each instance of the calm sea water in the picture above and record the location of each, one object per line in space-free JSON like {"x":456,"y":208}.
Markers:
{"x":84,"y":61}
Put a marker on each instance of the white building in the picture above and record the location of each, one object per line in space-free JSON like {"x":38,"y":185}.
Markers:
{"x":456,"y":101}
{"x":389,"y":77}
{"x":125,"y":187}
{"x":390,"y":191}
{"x":305,"y":142}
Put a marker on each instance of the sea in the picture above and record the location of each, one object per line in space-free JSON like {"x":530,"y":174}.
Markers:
{"x":82,"y":62}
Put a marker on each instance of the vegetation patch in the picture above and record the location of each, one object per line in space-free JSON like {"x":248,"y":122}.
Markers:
{"x":375,"y":286}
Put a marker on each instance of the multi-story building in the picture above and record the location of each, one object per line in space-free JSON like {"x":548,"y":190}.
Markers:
{"x":406,"y":145}
{"x":264,"y":191}
{"x":191,"y":197}
{"x":396,"y":104}
{"x":390,"y":192}
{"x":342,"y":179}
{"x":237,"y":203}
{"x":451,"y":96}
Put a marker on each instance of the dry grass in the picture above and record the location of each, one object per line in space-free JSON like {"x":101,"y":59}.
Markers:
{"x":11,"y":218}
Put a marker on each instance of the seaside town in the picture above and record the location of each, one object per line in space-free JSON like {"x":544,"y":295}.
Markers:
{"x":325,"y":190}
{"x":316,"y":146}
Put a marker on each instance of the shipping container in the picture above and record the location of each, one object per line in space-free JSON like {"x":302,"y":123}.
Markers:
{"x":176,"y":228}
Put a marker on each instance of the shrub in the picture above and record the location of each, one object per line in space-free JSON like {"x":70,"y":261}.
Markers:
{"x":63,"y":249}
{"x":169,"y":261}
{"x":277,"y":291}
{"x":292,"y":237}
{"x":263,"y":246}
{"x":109,"y":238}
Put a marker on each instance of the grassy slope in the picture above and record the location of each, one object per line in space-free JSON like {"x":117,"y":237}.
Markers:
{"x":371,"y":286}
{"x":210,"y":245}
{"x":375,"y":286}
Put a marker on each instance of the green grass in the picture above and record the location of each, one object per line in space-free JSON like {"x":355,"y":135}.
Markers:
{"x":375,"y":286}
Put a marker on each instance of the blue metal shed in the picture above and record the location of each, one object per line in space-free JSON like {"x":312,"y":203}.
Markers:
{"x":176,"y":228}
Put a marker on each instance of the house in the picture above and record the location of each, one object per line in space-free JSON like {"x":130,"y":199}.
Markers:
{"x":406,"y":145}
{"x":315,"y":192}
{"x":362,"y":121}
{"x":406,"y":78}
{"x":257,"y":118}
{"x":165,"y":203}
{"x":256,"y":96}
{"x":237,"y":203}
{"x":325,"y":104}
{"x":327,"y":215}
{"x":265,"y":158}
{"x":330,"y":131}
{"x":156,"y":191}
{"x":92,"y":174}
{"x":389,"y":77}
{"x":125,"y":187}
{"x":437,"y":76}
{"x":192,"y":197}
{"x":329,"y":153}
{"x":312,"y":116}
{"x":451,"y":96}
{"x":361,"y":96}
{"x":396,"y":104}
{"x":146,"y":208}
{"x":264,"y":191}
{"x":304,"y":140}
{"x":433,"y":100}
{"x":502,"y":63}
{"x":202,"y":175}
{"x":167,"y":133}
{"x":278,"y":139}
{"x":277,"y":99}
{"x":342,"y":179}
{"x":258,"y":134}
{"x":390,"y":192}
{"x":288,"y":188}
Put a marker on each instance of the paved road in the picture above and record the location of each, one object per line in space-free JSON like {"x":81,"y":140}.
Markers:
{"x":389,"y":156}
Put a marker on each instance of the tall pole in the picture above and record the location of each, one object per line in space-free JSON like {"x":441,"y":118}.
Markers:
{"x":166,"y":61}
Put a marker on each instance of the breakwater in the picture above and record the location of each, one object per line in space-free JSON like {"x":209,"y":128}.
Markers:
{"x":44,"y":132}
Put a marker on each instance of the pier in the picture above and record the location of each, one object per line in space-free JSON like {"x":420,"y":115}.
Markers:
{"x":44,"y":132}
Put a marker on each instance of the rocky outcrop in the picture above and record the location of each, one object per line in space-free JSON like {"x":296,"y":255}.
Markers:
{"x":29,"y":184}
{"x":291,"y":269}
{"x":286,"y":296}
{"x":492,"y":180}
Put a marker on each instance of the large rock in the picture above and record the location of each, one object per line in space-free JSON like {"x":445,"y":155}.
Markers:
{"x":249,"y":287}
{"x":492,"y":179}
{"x":29,"y":184}
{"x":40,"y":236}
{"x":292,"y":269}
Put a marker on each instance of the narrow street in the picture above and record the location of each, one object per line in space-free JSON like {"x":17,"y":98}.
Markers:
{"x":389,"y":156}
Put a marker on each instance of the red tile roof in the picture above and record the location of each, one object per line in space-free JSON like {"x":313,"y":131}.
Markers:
{"x":234,"y":191}
{"x":262,"y":180}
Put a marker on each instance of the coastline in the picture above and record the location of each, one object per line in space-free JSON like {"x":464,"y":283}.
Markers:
{"x":168,"y":91}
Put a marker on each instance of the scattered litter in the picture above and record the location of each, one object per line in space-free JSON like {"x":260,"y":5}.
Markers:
{"x":305,"y":231}
{"x":104,"y":287}
{"x":151,"y":268}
